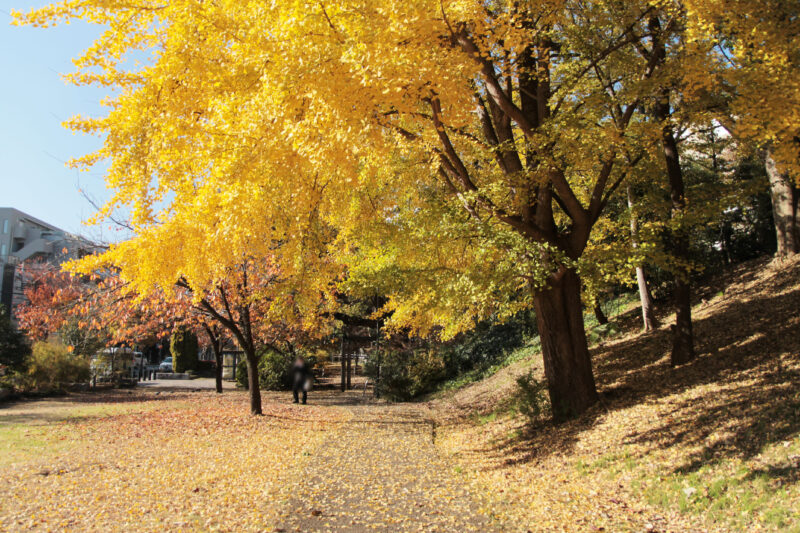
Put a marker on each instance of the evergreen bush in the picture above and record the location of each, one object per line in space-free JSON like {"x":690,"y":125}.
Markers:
{"x":274,"y":369}
{"x":14,"y":347}
{"x":184,"y":348}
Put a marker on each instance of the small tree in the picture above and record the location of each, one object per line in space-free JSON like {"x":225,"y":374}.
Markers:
{"x":183,"y":345}
{"x":14,"y":346}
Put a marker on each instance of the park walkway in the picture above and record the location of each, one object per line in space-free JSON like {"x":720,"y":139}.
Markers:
{"x":380,"y":471}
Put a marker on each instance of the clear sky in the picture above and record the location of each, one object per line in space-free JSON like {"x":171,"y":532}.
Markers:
{"x":34,"y":101}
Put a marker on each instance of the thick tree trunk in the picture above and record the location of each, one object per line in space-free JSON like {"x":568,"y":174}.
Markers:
{"x":682,"y":334}
{"x":567,"y":364}
{"x":252,"y":381}
{"x":646,"y":300}
{"x":785,"y":202}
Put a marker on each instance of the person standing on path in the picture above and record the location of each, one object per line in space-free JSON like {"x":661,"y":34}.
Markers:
{"x":300,"y":379}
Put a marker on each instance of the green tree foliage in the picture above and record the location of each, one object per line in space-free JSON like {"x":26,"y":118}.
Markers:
{"x":14,"y":346}
{"x":184,"y":348}
{"x":241,"y":374}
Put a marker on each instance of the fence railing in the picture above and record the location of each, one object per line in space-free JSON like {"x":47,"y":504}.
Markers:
{"x":356,"y":358}
{"x":143,"y":372}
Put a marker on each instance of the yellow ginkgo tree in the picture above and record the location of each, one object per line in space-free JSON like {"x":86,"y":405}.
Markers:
{"x":492,"y":134}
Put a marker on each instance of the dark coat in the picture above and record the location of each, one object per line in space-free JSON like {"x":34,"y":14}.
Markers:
{"x":300,"y":373}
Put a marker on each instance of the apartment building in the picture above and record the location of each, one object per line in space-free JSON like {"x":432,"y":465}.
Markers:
{"x":23,"y":239}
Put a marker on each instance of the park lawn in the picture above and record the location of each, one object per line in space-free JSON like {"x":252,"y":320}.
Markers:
{"x":34,"y":430}
{"x":172,"y":462}
{"x":710,"y":446}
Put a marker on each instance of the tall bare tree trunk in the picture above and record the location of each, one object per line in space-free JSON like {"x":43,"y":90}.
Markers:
{"x":785,"y":202}
{"x":682,"y":335}
{"x":216,"y":346}
{"x":646,"y":300}
{"x":567,"y":363}
{"x":601,"y":317}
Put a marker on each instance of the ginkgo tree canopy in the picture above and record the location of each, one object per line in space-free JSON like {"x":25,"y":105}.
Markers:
{"x":454,"y":153}
{"x":260,"y":122}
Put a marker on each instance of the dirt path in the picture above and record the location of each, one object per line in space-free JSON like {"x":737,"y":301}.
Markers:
{"x":380,"y":471}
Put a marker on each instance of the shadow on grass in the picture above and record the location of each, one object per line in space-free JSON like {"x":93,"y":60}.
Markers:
{"x":744,"y":387}
{"x":77,"y":407}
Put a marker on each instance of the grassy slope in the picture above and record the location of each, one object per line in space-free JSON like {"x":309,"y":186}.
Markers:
{"x":713,"y":445}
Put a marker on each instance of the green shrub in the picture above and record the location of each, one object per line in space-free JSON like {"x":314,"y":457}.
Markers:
{"x":532,"y":398}
{"x":387,"y":371}
{"x":14,"y":380}
{"x":598,"y":333}
{"x":184,"y":349}
{"x":241,"y":373}
{"x":405,"y":375}
{"x":52,"y":365}
{"x":485,"y":345}
{"x":274,"y":369}
{"x":401,"y":376}
{"x":427,"y":369}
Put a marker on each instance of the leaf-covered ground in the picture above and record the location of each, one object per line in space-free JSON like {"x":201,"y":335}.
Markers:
{"x":147,"y":462}
{"x":380,"y":471}
{"x":195,"y":461}
{"x":711,"y":446}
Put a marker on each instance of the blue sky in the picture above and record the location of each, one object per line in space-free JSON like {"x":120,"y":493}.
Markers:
{"x":34,"y":101}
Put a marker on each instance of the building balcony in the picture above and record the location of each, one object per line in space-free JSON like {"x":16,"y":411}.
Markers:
{"x":34,"y":248}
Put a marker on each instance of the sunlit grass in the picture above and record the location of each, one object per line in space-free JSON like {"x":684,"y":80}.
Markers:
{"x":31,"y":430}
